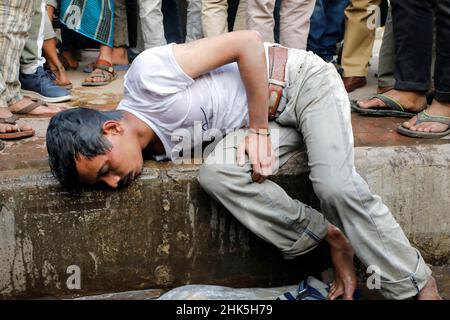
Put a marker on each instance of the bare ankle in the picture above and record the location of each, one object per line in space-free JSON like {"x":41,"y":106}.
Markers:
{"x":430,"y":291}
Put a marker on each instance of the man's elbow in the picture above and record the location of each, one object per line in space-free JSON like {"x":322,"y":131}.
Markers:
{"x":255,"y":36}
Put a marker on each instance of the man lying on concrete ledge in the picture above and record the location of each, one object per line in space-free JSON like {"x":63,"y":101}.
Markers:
{"x":222,"y":83}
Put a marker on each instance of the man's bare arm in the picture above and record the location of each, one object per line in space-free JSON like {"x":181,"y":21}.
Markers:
{"x":247,"y":49}
{"x":244,"y":47}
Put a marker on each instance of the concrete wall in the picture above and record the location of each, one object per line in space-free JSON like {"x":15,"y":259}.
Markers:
{"x":164,"y":230}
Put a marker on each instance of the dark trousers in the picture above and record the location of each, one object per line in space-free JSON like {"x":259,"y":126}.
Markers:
{"x":413,"y":34}
{"x":326,"y":27}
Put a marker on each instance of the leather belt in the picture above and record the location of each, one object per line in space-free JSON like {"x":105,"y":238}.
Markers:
{"x":277,"y":65}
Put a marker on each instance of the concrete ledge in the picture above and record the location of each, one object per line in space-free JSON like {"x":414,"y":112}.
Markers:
{"x":165,"y":231}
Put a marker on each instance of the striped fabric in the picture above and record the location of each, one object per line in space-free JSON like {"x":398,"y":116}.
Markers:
{"x":15,"y":20}
{"x":91,"y":18}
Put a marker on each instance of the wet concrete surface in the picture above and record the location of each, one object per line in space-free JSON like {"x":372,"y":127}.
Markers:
{"x":441,"y":274}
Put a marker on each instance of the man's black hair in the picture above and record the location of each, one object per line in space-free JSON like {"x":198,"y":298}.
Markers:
{"x":76,"y":132}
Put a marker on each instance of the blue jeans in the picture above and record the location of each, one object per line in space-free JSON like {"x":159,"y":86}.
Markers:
{"x":413,"y":34}
{"x":326,"y":27}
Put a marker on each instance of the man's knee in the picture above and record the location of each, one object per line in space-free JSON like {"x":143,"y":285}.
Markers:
{"x":330,"y":191}
{"x":209,"y":177}
{"x":217,"y":178}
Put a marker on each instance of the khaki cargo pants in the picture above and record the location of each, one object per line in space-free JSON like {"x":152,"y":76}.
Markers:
{"x":317,"y":116}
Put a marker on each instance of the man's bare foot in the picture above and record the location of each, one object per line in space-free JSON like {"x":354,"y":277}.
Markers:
{"x":39,"y":111}
{"x":430,"y":291}
{"x":435,"y":109}
{"x":341,"y":251}
{"x":6,"y":127}
{"x":120,"y":56}
{"x":384,"y":89}
{"x":69,"y":60}
{"x":412,"y":101}
{"x":61,"y":76}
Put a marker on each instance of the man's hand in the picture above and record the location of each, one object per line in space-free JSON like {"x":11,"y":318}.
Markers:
{"x":260,"y":153}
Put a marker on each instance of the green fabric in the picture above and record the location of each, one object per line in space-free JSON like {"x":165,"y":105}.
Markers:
{"x":30,"y":53}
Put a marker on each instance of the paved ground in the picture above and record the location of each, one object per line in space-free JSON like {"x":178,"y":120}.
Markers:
{"x":442,"y":275}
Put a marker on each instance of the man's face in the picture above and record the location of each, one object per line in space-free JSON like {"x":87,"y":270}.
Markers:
{"x":118,"y":167}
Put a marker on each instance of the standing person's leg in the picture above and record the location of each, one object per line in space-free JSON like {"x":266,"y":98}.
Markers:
{"x":121,"y":43}
{"x":70,"y":43}
{"x":317,"y":30}
{"x":214,"y":17}
{"x":294,"y":22}
{"x":386,"y":63}
{"x":240,"y":22}
{"x":358,"y":42}
{"x":326,"y":28}
{"x":260,"y":18}
{"x":132,"y":12}
{"x":442,"y":65}
{"x":173,"y":29}
{"x":268,"y":211}
{"x":435,"y":122}
{"x":31,"y":57}
{"x":194,"y":28}
{"x":35,"y":82}
{"x":151,"y":23}
{"x":51,"y":54}
{"x":323,"y":118}
{"x":412,"y":32}
{"x":334,"y":32}
{"x":15,"y":20}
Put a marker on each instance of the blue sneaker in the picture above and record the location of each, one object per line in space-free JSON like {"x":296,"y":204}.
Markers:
{"x":40,"y":85}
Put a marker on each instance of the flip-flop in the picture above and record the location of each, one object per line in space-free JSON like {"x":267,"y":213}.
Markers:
{"x":16,"y":134}
{"x":24,"y":112}
{"x":425,"y":117}
{"x":393,"y":108}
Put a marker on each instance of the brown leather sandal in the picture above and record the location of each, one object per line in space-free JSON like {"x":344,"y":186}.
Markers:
{"x":102,"y":69}
{"x":15,"y":134}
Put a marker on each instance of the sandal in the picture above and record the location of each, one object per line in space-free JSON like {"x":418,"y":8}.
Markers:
{"x":117,"y":67}
{"x":24,"y":112}
{"x":425,"y":117}
{"x":103,"y":69}
{"x":393,"y":108}
{"x":15,"y":134}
